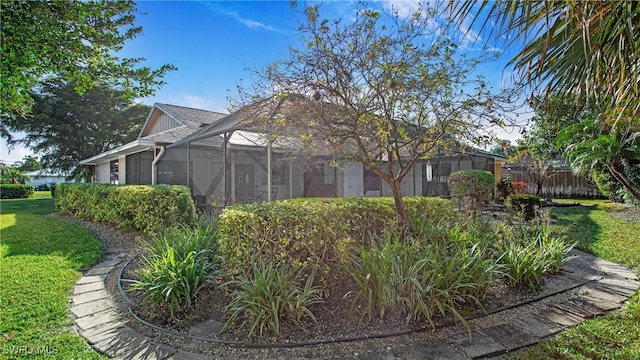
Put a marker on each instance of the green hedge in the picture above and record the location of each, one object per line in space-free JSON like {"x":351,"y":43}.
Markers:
{"x":475,"y":187}
{"x":316,"y":232}
{"x":146,"y":208}
{"x":15,"y":191}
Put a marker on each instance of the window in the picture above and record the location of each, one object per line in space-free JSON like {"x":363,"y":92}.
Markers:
{"x":372,"y":181}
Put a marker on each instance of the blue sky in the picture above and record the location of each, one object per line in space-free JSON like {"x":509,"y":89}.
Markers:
{"x":213,"y":43}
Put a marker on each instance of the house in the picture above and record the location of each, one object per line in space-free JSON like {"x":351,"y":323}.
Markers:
{"x":133,"y":163}
{"x":226,"y":158}
{"x":41,"y":178}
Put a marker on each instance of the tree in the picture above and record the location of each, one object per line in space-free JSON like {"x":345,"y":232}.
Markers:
{"x":503,"y":147}
{"x":12,"y":175}
{"x":382,"y":90}
{"x":75,"y":40}
{"x":537,"y":149}
{"x":67,"y":127}
{"x":30,"y":163}
{"x":588,"y":50}
{"x":591,"y":147}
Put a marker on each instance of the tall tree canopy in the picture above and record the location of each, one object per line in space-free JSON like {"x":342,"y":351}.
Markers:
{"x":383,"y":90}
{"x":75,"y":40}
{"x":67,"y":127}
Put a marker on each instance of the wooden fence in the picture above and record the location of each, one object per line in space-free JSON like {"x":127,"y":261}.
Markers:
{"x":562,"y":184}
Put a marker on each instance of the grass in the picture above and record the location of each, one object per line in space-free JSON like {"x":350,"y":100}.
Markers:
{"x":41,"y":258}
{"x":617,"y":335}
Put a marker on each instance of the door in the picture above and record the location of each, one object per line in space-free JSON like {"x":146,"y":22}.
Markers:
{"x":245,"y":191}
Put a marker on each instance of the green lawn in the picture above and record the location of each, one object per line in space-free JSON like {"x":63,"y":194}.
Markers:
{"x":41,"y":258}
{"x":617,"y":335}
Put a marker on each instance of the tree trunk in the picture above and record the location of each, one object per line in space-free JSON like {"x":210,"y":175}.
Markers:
{"x":539,"y":187}
{"x":619,"y":175}
{"x":403,"y":217}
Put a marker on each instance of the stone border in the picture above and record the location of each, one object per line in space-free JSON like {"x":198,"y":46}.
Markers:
{"x":97,"y":318}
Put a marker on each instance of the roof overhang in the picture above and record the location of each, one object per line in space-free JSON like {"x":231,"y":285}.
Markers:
{"x":133,"y":147}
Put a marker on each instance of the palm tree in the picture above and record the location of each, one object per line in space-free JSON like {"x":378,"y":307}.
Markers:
{"x":585,"y":48}
{"x":588,"y":50}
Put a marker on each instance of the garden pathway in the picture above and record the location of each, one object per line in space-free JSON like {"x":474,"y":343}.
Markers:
{"x":587,"y":287}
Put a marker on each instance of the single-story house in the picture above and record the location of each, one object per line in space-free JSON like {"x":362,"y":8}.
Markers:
{"x":224,"y":161}
{"x":45,"y":177}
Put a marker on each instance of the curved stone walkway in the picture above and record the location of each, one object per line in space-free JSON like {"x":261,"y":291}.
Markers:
{"x":602,"y":287}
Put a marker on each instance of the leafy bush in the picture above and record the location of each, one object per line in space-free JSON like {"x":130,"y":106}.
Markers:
{"x":42,"y":187}
{"x":272,"y":295}
{"x":15,"y":191}
{"x":519,"y":187}
{"x":505,"y":187}
{"x":148,"y":208}
{"x":475,"y":187}
{"x":525,"y":204}
{"x":317,"y":232}
{"x":176,"y":266}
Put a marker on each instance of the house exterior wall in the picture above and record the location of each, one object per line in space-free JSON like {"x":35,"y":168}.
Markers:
{"x":103,"y":174}
{"x":159,"y":123}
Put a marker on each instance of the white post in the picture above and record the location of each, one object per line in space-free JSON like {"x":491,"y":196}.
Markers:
{"x":268,"y":169}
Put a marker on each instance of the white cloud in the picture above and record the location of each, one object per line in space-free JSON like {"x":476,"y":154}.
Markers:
{"x":251,"y":24}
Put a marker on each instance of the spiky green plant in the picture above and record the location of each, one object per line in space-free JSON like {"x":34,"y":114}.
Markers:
{"x":176,"y":266}
{"x":272,"y":294}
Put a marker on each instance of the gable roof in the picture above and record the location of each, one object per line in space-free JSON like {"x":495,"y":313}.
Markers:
{"x":188,"y":121}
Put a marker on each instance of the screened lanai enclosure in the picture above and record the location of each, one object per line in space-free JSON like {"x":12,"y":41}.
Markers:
{"x":232,"y":167}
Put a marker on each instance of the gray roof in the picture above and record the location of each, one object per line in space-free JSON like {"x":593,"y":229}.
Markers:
{"x":191,"y":120}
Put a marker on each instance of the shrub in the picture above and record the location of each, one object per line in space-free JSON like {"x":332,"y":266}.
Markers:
{"x":317,"y":232}
{"x":272,"y":295}
{"x":147,"y":208}
{"x":176,"y":266}
{"x":505,"y":187}
{"x":519,"y":187}
{"x":525,"y":204}
{"x":42,"y":187}
{"x":475,"y":187}
{"x":15,"y":191}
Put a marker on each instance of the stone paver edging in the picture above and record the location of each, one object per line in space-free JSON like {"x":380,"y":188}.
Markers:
{"x":97,"y":318}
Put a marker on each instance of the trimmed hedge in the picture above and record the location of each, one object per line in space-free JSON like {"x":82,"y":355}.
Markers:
{"x":146,"y":208}
{"x":15,"y":191}
{"x":475,"y":187}
{"x":319,"y":232}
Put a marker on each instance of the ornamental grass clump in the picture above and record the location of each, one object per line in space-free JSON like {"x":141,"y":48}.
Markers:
{"x":177,"y":264}
{"x":422,"y":279}
{"x":532,"y":250}
{"x":273,"y":294}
